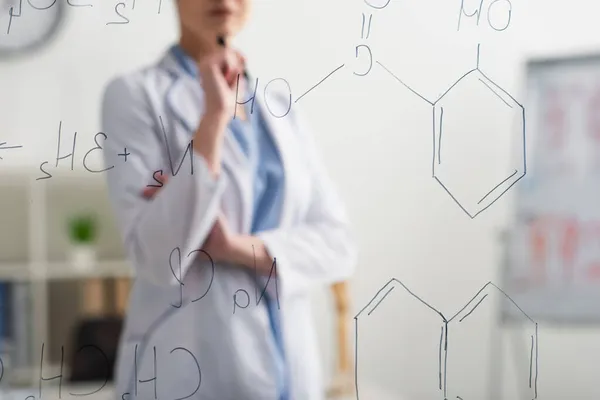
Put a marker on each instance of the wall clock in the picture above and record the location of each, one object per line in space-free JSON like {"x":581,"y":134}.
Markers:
{"x":27,"y":25}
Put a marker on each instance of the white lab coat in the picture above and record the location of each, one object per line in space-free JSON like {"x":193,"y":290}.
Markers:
{"x":203,"y":349}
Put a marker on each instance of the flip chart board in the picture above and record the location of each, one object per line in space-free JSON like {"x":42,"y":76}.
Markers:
{"x":553,"y":251}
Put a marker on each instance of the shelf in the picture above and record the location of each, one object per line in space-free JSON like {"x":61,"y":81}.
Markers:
{"x":14,"y":220}
{"x":18,"y":271}
{"x":63,"y":270}
{"x":35,"y":247}
{"x":103,"y":269}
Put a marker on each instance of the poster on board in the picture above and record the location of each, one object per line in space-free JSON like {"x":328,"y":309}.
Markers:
{"x":553,"y":251}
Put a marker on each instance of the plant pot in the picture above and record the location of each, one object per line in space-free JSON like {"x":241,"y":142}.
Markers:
{"x":83,"y":257}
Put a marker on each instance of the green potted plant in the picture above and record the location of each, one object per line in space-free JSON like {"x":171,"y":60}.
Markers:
{"x":82,"y":234}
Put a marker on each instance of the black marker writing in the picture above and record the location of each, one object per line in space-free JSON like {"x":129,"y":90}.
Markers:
{"x":384,"y":4}
{"x":508,"y":14}
{"x":177,"y":252}
{"x":44,"y":5}
{"x":98,"y":147}
{"x":321,"y":81}
{"x":367,"y":50}
{"x":124,"y":153}
{"x":153,"y":379}
{"x":58,"y":157}
{"x":495,"y":7}
{"x":71,"y":155}
{"x":177,"y":355}
{"x":272,"y":273}
{"x":62,"y":154}
{"x":48,"y":176}
{"x":470,"y":204}
{"x":59,"y":377}
{"x":499,"y":14}
{"x":188,"y":150}
{"x":4,"y":147}
{"x":13,"y":13}
{"x":266,"y":89}
{"x":290,"y":98}
{"x":107,"y":363}
{"x":241,"y":297}
{"x":123,"y":20}
{"x":70,"y":2}
{"x":156,"y":175}
{"x":362,"y":31}
{"x":40,"y":1}
{"x":443,"y":356}
{"x":235,"y":299}
{"x":212,"y":276}
{"x":244,"y":102}
{"x":197,"y":366}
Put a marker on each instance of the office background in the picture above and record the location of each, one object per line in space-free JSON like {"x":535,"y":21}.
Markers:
{"x":375,"y":136}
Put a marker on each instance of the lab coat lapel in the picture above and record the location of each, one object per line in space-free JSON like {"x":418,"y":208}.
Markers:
{"x":185,"y":103}
{"x":187,"y":106}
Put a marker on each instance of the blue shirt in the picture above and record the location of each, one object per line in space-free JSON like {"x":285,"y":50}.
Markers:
{"x":263,"y":158}
{"x":257,"y":143}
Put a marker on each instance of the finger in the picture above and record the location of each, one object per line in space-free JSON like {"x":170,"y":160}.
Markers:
{"x":236,"y":75}
{"x":241,"y":60}
{"x":226,"y":60}
{"x":233,"y":78}
{"x":231,"y":65}
{"x":150,"y":191}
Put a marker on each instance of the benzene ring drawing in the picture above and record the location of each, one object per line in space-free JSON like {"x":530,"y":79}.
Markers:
{"x":446,"y":352}
{"x":491,"y":188}
{"x":460,"y":148}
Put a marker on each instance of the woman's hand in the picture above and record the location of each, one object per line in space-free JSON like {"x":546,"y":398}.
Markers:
{"x":250,"y":252}
{"x":219,"y":72}
{"x":150,"y":191}
{"x":246,"y":251}
{"x":219,"y":243}
{"x":224,"y":246}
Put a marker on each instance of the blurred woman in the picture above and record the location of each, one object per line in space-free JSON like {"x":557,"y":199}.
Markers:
{"x":229,"y":219}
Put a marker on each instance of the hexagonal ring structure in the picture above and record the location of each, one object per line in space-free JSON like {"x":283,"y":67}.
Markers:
{"x":379,"y":322}
{"x":460,"y":154}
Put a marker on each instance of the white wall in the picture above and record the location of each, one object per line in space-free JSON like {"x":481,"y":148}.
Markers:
{"x":375,"y":136}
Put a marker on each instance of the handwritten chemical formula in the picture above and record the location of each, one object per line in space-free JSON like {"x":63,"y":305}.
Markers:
{"x":16,"y":9}
{"x":487,"y":14}
{"x":180,"y":353}
{"x":496,"y":13}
